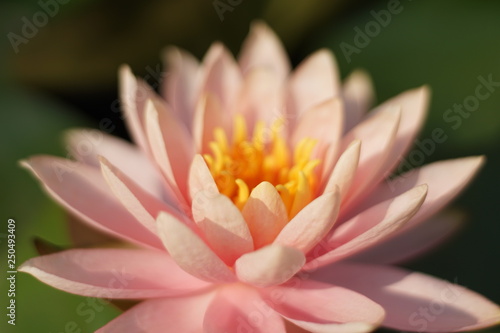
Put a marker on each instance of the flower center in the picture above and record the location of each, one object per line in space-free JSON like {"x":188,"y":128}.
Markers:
{"x":241,"y":165}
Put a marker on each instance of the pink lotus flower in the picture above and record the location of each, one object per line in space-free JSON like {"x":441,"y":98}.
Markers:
{"x":256,"y":201}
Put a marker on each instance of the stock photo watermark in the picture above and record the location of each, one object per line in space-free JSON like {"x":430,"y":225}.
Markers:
{"x":425,"y":314}
{"x":454,"y":117}
{"x":471,"y":103}
{"x":92,"y":139}
{"x":223,"y":6}
{"x":364,"y":36}
{"x":31,"y":26}
{"x":11,"y":271}
{"x":256,"y":319}
{"x":88,"y":309}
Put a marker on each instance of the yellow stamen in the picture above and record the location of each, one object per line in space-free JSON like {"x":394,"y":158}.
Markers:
{"x":240,"y":129}
{"x":285,"y":195}
{"x":221,"y":139}
{"x":218,"y":161}
{"x":209,"y":159}
{"x":243,"y":193}
{"x":265,"y":156}
{"x":259,"y":135}
{"x":302,"y":195}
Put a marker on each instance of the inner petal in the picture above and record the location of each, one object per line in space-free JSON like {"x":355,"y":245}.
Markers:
{"x":240,"y":164}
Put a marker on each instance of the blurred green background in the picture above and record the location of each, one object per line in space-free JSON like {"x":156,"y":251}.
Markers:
{"x":65,"y":76}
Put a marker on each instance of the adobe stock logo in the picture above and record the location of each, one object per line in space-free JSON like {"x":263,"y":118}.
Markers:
{"x":30,"y":28}
{"x":471,"y":103}
{"x":221,"y":7}
{"x":381,"y":19}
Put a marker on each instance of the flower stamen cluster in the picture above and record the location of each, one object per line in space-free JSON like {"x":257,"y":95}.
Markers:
{"x":240,"y":165}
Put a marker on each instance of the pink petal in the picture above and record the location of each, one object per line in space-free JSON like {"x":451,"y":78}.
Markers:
{"x":270,"y":265}
{"x":113,"y":273}
{"x":414,"y":104}
{"x":133,"y":96}
{"x":370,"y":226}
{"x":353,"y":327}
{"x":263,"y":49}
{"x":190,"y":252}
{"x":414,"y":301}
{"x":358,"y":96}
{"x":324,"y":123}
{"x":211,"y":56}
{"x":314,"y":81}
{"x":377,"y":135}
{"x":222,"y":225}
{"x":182,"y":83}
{"x":261,"y":97}
{"x":179,"y":314}
{"x":222,"y":77}
{"x":239,"y":308}
{"x":138,"y":202}
{"x":265,"y":214}
{"x":345,"y":169}
{"x":82,"y":191}
{"x":312,"y":223}
{"x":200,"y":178}
{"x":170,"y":145}
{"x":86,"y":145}
{"x":413,"y":241}
{"x":208,"y":116}
{"x":446,"y":179}
{"x":322,"y":307}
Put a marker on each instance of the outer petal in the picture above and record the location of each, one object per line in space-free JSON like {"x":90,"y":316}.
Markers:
{"x":321,"y":307}
{"x":270,"y":265}
{"x":139,"y":203}
{"x":208,"y":116}
{"x":261,"y":97}
{"x":210,"y":57}
{"x":133,"y":96}
{"x":371,"y":226}
{"x":312,"y":223}
{"x":265,"y":214}
{"x":344,"y":170}
{"x":179,"y":314}
{"x":358,"y":96}
{"x":223,"y":76}
{"x":182,"y":83}
{"x":190,"y":252}
{"x":411,"y":242}
{"x":414,"y":301}
{"x":222,"y":225}
{"x":170,"y":144}
{"x":86,"y":145}
{"x":239,"y":308}
{"x":314,"y":81}
{"x":352,"y":327}
{"x":262,"y":48}
{"x":377,"y":135}
{"x":113,"y":273}
{"x":414,"y":105}
{"x":446,"y":179}
{"x":81,"y":190}
{"x":322,"y":122}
